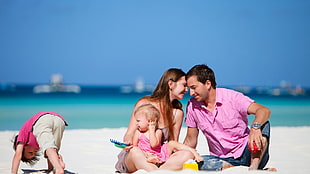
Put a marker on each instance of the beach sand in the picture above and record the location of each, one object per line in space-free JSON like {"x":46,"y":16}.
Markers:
{"x":90,"y":151}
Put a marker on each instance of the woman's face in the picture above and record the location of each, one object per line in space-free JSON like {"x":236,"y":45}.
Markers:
{"x":178,"y":89}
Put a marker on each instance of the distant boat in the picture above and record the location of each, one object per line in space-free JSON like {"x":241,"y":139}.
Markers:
{"x":287,"y":89}
{"x":138,"y":87}
{"x":56,"y":85}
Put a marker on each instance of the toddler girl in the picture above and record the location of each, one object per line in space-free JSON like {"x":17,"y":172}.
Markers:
{"x":149,"y":138}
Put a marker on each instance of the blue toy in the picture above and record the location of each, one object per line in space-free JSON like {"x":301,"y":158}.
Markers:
{"x":119,"y":144}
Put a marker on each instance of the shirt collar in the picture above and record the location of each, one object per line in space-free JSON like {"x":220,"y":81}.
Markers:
{"x":219,"y":98}
{"x":203,"y":105}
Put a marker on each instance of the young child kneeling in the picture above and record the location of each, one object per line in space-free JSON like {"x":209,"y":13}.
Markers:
{"x":149,"y":138}
{"x":43,"y":132}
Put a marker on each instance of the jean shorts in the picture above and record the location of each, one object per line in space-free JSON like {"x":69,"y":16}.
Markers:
{"x":214,"y":163}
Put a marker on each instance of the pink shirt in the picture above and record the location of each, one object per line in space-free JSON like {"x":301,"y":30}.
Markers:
{"x":25,"y":134}
{"x":226,"y":129}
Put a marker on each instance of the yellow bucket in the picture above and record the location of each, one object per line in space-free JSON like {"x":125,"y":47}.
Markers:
{"x":190,"y":166}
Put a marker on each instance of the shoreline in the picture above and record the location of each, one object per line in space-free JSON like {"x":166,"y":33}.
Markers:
{"x":90,"y":150}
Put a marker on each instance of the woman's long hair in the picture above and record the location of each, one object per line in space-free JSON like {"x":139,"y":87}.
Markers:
{"x":161,"y":94}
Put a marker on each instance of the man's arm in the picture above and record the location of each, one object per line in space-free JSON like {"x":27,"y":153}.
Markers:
{"x":191,"y":138}
{"x":262,"y":115}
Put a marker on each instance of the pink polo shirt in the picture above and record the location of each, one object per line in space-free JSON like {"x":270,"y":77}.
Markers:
{"x":25,"y":134}
{"x":226,"y":129}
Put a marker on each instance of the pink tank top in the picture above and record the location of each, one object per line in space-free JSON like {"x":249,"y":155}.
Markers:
{"x":161,"y":150}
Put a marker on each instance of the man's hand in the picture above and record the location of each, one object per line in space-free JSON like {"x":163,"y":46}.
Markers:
{"x":256,"y":138}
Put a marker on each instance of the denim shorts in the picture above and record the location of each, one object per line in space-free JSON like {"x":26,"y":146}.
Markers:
{"x":214,"y":163}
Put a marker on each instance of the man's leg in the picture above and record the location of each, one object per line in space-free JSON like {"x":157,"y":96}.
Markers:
{"x":213,"y":163}
{"x":260,"y":159}
{"x":256,"y":158}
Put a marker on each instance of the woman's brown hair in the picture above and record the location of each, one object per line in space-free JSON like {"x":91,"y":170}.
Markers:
{"x":161,"y":95}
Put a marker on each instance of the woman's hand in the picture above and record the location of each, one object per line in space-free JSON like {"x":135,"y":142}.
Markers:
{"x":127,"y":148}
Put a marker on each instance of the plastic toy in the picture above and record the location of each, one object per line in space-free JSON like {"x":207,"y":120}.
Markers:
{"x":119,"y":144}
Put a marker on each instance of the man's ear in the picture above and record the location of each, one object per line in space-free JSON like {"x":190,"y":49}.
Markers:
{"x":208,"y":84}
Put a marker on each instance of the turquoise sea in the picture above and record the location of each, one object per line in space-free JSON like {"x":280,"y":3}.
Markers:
{"x":107,"y":107}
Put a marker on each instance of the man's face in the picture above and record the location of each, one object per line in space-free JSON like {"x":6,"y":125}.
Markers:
{"x":198,"y":90}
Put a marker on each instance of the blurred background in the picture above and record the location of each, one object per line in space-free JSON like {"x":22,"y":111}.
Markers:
{"x":92,"y":60}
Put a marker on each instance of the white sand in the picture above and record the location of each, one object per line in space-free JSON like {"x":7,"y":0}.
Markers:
{"x":90,"y":151}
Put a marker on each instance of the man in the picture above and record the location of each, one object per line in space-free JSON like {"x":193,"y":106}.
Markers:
{"x":221,"y":115}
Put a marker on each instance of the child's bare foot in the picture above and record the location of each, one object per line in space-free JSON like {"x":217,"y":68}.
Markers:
{"x":58,"y":171}
{"x":271,"y":169}
{"x":151,"y":158}
{"x":62,"y":164}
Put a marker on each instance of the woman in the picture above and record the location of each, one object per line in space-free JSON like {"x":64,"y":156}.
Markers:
{"x":169,"y":90}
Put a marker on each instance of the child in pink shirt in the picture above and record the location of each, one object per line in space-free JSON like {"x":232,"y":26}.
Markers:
{"x":42,"y":132}
{"x":149,"y":138}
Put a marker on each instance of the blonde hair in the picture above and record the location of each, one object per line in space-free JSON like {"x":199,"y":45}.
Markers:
{"x":150,"y":111}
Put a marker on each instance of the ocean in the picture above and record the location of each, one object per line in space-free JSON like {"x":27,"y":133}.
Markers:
{"x":97,"y":107}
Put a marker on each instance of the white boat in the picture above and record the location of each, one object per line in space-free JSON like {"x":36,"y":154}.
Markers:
{"x":138,"y":87}
{"x":56,"y":85}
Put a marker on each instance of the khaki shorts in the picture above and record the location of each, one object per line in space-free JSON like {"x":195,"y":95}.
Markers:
{"x":49,"y":131}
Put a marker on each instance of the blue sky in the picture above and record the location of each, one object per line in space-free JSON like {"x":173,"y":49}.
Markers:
{"x":101,"y":42}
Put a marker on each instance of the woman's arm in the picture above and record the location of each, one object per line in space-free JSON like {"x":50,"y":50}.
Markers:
{"x":178,"y":120}
{"x":17,"y":157}
{"x":135,"y":138}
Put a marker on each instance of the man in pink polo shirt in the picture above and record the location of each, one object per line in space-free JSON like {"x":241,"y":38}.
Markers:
{"x":221,"y":115}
